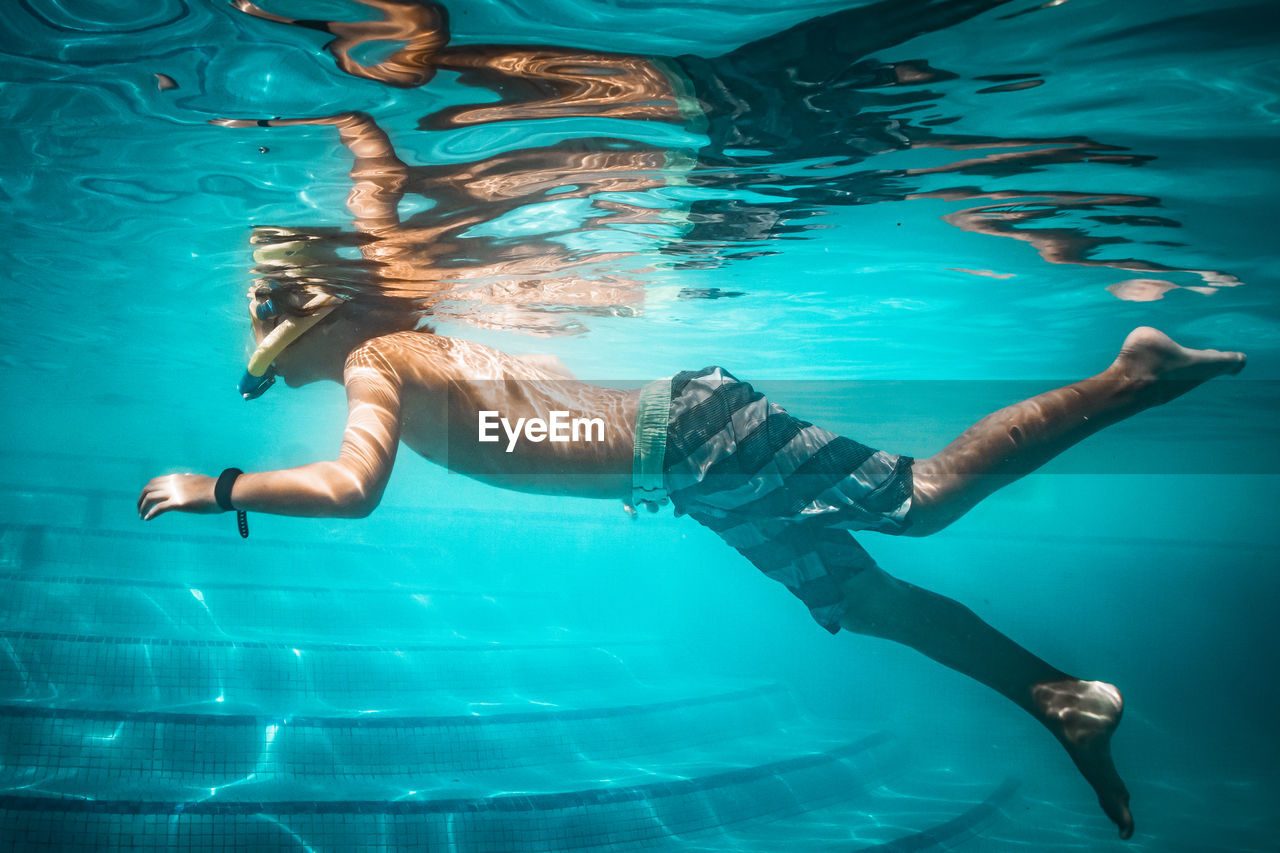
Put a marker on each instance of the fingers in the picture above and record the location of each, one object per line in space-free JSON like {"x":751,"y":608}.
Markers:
{"x":152,"y":503}
{"x":249,"y":9}
{"x":157,"y":497}
{"x":159,"y":508}
{"x":147,"y":490}
{"x":242,"y":122}
{"x":178,"y":493}
{"x":258,"y":12}
{"x":345,"y":120}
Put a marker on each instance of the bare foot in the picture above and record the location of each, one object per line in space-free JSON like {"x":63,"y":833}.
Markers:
{"x":1151,"y":358}
{"x":1083,"y":715}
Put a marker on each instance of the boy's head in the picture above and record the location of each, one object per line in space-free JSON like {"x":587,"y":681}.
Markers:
{"x":280,"y":316}
{"x":313,"y":304}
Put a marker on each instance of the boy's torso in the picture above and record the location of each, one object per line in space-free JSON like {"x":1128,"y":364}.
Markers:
{"x":542,"y":432}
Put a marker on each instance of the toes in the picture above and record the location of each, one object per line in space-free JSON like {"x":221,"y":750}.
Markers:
{"x":1125,"y":821}
{"x":1116,"y":807}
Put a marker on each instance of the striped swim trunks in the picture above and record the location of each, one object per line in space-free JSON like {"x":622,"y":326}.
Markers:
{"x":780,"y":490}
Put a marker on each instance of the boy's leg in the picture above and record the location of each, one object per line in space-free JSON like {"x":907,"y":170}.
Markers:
{"x":1082,"y":715}
{"x":843,"y":587}
{"x":1151,"y":369}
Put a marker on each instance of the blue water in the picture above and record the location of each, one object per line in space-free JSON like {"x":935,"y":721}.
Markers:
{"x":894,"y":262}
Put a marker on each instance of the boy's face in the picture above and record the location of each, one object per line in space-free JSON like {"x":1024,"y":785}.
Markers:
{"x":302,"y":361}
{"x":294,"y":363}
{"x":317,"y":354}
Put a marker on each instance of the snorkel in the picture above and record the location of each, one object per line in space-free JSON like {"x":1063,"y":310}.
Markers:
{"x":261,"y":373}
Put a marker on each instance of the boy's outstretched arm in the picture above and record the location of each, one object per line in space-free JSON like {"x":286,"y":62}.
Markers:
{"x":349,"y":487}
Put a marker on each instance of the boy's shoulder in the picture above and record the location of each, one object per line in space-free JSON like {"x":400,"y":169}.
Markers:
{"x":422,"y":357}
{"x":400,"y":353}
{"x":400,"y":345}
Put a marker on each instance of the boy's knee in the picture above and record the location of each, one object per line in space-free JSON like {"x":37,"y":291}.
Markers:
{"x":870,"y":597}
{"x":930,"y":510}
{"x":923,"y":519}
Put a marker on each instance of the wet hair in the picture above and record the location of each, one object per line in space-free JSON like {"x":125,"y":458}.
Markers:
{"x":293,"y":265}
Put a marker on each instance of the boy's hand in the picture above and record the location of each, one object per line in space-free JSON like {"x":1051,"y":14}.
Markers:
{"x":180,"y":492}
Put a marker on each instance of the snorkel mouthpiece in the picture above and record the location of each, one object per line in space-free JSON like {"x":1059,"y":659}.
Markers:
{"x":261,"y":373}
{"x":252,"y":387}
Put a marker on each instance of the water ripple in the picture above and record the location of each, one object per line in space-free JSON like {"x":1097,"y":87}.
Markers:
{"x":800,"y":130}
{"x":79,"y":16}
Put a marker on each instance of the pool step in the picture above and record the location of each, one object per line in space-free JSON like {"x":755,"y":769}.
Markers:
{"x":232,"y":610}
{"x":347,"y":691}
{"x":924,"y":812}
{"x":290,"y":677}
{"x":642,"y":805}
{"x":276,"y":770}
{"x":210,"y":750}
{"x":326,"y":560}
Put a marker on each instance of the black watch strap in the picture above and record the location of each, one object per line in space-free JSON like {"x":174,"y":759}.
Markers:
{"x":222,"y":495}
{"x":222,"y":490}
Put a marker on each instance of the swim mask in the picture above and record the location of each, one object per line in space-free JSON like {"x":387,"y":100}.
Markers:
{"x":261,"y":373}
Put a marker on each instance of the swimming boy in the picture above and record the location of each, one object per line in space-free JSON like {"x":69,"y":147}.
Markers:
{"x":783,"y":492}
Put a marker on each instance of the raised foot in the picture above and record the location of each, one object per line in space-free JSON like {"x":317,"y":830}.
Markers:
{"x":1083,"y":715}
{"x":1149,"y":356}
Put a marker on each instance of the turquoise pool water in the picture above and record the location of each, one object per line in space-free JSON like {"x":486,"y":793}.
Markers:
{"x":976,"y":203}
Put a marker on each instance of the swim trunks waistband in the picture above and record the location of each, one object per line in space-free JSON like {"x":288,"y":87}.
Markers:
{"x":647,"y":482}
